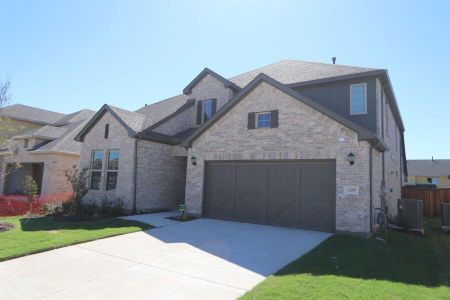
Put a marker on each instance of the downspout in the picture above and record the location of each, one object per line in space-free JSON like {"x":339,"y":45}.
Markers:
{"x":371,"y":189}
{"x":136,"y":139}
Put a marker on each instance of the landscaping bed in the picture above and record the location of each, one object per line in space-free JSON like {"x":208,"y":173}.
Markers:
{"x":44,"y":233}
{"x":406,"y":266}
{"x":182,"y":219}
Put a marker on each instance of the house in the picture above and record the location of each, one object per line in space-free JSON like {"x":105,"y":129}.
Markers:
{"x":296,"y":144}
{"x":43,"y":143}
{"x":428,"y":172}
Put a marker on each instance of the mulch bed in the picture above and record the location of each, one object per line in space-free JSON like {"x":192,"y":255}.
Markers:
{"x":180,"y":219}
{"x":69,"y":218}
{"x":6,"y":226}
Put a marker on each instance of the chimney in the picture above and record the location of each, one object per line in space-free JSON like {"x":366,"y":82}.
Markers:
{"x":334,"y":60}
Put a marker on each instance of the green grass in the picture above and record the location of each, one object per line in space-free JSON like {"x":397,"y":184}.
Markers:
{"x":407,"y":266}
{"x":43,"y":233}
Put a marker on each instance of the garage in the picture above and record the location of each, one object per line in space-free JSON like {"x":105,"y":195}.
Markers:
{"x":298,"y":194}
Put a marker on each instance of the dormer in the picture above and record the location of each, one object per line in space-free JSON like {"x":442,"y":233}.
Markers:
{"x":210,"y":91}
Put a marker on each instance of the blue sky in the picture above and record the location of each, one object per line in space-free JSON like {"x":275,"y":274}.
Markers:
{"x":69,"y":55}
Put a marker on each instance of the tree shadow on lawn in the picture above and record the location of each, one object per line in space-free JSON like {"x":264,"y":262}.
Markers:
{"x":404,"y":258}
{"x":47,"y":223}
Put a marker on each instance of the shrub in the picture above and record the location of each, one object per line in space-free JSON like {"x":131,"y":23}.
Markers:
{"x":53,"y":208}
{"x":89,"y":209}
{"x":31,"y":190}
{"x":117,"y":207}
{"x":105,"y":206}
{"x":78,"y":182}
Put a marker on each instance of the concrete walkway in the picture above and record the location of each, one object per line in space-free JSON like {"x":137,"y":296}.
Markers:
{"x":201,"y":259}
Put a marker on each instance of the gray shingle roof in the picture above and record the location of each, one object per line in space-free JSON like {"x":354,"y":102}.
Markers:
{"x":135,"y":120}
{"x":294,"y":71}
{"x":161,"y":109}
{"x":75,"y":117}
{"x":44,"y":132}
{"x":31,"y":114}
{"x":285,"y":71}
{"x":427,"y":167}
{"x":66,"y":142}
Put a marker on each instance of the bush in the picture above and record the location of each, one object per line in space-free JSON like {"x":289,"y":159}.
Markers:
{"x":78,"y":182}
{"x":105,"y":206}
{"x":53,"y":208}
{"x":89,"y":209}
{"x":117,"y":207}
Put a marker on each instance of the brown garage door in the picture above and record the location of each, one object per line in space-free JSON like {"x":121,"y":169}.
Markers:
{"x":300,"y":194}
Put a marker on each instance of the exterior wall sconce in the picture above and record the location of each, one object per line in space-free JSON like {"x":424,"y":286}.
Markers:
{"x":194,"y":160}
{"x":351,"y":158}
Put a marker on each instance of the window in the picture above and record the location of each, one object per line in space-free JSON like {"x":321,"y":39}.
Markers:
{"x":106,"y":131}
{"x":263,"y":120}
{"x":113,"y":169}
{"x":96,"y":169}
{"x":358,"y":101}
{"x":205,"y":110}
{"x":432,"y":180}
{"x":25,"y":143}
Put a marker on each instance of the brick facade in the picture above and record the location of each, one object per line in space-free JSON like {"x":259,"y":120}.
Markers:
{"x":55,"y":166}
{"x":118,"y":139}
{"x":303,"y":133}
{"x":160,"y":177}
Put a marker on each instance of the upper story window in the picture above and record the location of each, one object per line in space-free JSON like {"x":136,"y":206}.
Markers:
{"x":96,"y":169}
{"x":113,"y":169}
{"x":25,"y":143}
{"x":263,"y":120}
{"x":433,"y":180}
{"x":358,"y":99}
{"x":205,"y":110}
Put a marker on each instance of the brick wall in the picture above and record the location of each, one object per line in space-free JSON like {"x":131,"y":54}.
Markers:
{"x":161,"y":177}
{"x":118,"y":140}
{"x":303,"y":133}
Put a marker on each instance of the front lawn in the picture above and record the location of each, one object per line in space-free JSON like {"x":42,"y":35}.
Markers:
{"x":43,"y":233}
{"x":343,"y":267}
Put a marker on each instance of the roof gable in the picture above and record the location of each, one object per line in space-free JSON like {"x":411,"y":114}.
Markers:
{"x":188,"y":89}
{"x":131,"y":121}
{"x":363,"y":134}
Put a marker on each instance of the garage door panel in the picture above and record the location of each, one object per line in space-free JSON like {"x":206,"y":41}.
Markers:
{"x":297,"y":194}
{"x":248,"y":208}
{"x":220,"y":196}
{"x":283,"y":211}
{"x":283,"y":178}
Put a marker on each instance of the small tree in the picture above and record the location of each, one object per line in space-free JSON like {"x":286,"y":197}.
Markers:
{"x":78,"y":182}
{"x":31,"y":190}
{"x":7,"y":129}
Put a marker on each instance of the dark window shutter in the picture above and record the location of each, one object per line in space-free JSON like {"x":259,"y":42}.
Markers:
{"x":199,"y":113}
{"x":214,"y":106}
{"x":251,"y":120}
{"x":274,"y":118}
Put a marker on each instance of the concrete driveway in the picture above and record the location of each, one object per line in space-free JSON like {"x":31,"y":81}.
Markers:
{"x":201,"y":259}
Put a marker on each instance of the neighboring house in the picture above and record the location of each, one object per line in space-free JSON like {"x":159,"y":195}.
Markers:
{"x":295,"y":144}
{"x":43,"y":143}
{"x":429,"y":172}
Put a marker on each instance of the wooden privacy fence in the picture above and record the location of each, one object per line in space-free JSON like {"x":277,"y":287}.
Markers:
{"x":432,"y":198}
{"x":15,"y":205}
